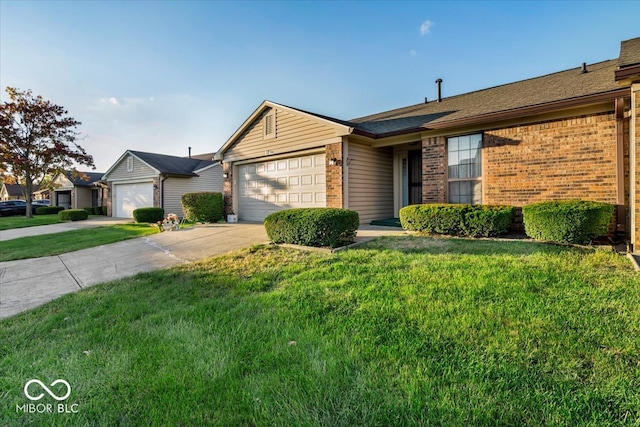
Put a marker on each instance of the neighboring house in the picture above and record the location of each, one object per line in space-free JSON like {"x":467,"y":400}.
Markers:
{"x":78,"y":190}
{"x":11,"y":192}
{"x":14,"y":192}
{"x":139,"y":179}
{"x":571,"y":134}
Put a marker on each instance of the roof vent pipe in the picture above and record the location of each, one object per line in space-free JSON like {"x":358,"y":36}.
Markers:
{"x":439,"y":89}
{"x":425,"y":100}
{"x":584,"y":68}
{"x":189,"y":152}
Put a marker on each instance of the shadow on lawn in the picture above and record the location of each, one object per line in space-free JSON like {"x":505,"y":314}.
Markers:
{"x":468,"y":246}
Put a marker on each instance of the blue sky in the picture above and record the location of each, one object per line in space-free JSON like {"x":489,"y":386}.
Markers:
{"x":162,"y":76}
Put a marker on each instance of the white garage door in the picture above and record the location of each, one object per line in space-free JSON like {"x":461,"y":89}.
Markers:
{"x":267,"y":187}
{"x":132,"y":196}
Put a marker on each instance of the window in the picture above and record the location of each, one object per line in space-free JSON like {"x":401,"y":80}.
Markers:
{"x":464,"y":161}
{"x":269,"y":125}
{"x":129,"y":164}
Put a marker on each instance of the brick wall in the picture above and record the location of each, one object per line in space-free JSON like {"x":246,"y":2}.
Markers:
{"x":561,"y":159}
{"x":334,"y":176}
{"x":434,"y":167}
{"x":635,"y":111}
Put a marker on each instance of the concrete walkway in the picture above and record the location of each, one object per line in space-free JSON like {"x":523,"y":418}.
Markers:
{"x":98,"y":221}
{"x":26,"y":284}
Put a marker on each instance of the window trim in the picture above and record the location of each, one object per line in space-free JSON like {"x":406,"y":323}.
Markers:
{"x":478,"y":179}
{"x":129,"y":164}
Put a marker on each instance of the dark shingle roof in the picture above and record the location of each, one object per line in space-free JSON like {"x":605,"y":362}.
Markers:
{"x":629,"y":53}
{"x":84,"y":178}
{"x":564,"y":85}
{"x":172,"y":165}
{"x":14,"y":190}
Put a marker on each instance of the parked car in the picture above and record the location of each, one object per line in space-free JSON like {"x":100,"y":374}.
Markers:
{"x":13,"y":207}
{"x":40,"y":202}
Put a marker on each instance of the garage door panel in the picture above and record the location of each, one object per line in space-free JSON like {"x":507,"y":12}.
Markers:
{"x":129,"y":197}
{"x":271,"y":186}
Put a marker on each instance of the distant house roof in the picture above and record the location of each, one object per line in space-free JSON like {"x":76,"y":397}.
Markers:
{"x":83,"y":178}
{"x":13,"y":190}
{"x":629,"y":53}
{"x":173,"y":165}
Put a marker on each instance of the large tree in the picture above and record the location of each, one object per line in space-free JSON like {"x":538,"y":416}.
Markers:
{"x":38,"y":140}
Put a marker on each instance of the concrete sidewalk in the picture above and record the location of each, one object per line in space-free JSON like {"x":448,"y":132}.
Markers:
{"x":25,"y":284}
{"x":97,"y":221}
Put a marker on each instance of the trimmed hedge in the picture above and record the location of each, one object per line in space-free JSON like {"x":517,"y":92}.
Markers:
{"x":94,"y":210}
{"x":73,"y":215}
{"x":203,"y":206}
{"x":567,"y":221}
{"x":313,"y":226}
{"x":48,"y":210}
{"x":152,"y":215}
{"x":457,"y":220}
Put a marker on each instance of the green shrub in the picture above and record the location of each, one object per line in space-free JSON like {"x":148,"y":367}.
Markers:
{"x":487,"y":220}
{"x":94,"y":210}
{"x":457,"y":220}
{"x":48,"y":210}
{"x":567,"y":221}
{"x":203,"y":206}
{"x":103,"y":210}
{"x":73,"y":215}
{"x":433,"y":218}
{"x":313,"y":226}
{"x":152,"y":215}
{"x":90,"y":210}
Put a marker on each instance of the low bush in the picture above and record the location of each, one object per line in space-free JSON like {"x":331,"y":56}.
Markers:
{"x":73,"y":215}
{"x":313,"y":226}
{"x":567,"y":221}
{"x":48,"y":210}
{"x":152,"y":215}
{"x":457,"y":220}
{"x":203,"y":206}
{"x":94,"y":210}
{"x":487,"y":220}
{"x":103,"y":210}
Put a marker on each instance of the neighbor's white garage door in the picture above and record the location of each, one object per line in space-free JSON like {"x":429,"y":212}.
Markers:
{"x":132,"y":196}
{"x":267,"y":187}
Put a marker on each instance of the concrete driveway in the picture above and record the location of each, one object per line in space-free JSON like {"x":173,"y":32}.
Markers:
{"x":25,"y":284}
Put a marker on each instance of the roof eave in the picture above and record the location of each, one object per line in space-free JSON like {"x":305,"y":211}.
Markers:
{"x":530,"y":110}
{"x":630,"y":72}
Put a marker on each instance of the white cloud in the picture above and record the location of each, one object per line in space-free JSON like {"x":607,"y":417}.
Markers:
{"x":114,"y":101}
{"x":425,"y":27}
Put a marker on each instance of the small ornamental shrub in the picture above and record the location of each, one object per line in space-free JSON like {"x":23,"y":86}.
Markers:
{"x":103,"y":210}
{"x":313,"y":226}
{"x":457,"y":220}
{"x":203,"y":206}
{"x":487,"y":220}
{"x":94,"y":210}
{"x":152,"y":215}
{"x":567,"y":221}
{"x":73,"y":215}
{"x":48,"y":210}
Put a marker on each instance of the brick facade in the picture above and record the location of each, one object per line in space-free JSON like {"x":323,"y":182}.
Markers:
{"x":635,"y":131}
{"x":434,"y":170}
{"x":554,"y":160}
{"x":334,"y":176}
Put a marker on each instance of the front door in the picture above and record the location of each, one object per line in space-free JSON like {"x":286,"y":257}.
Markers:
{"x":414,"y":181}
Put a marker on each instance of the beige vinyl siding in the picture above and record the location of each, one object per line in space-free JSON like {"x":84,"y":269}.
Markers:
{"x":82,"y":197}
{"x":370,"y":182}
{"x":294,"y":132}
{"x":208,"y":180}
{"x":140,"y":170}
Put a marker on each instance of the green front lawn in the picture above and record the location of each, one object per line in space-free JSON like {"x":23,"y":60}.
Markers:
{"x":69,"y":241}
{"x":404,"y":331}
{"x":9,"y":222}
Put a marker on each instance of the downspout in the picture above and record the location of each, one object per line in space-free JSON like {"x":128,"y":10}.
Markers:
{"x":163,"y":178}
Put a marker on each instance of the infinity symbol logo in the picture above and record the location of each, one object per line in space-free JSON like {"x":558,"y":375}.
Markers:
{"x":52,"y":394}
